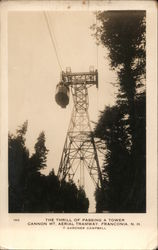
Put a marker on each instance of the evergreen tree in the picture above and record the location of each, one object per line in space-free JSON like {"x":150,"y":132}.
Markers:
{"x":18,"y":160}
{"x":38,"y":159}
{"x":123,"y":33}
{"x":111,"y":128}
{"x":32,"y":192}
{"x":36,"y":182}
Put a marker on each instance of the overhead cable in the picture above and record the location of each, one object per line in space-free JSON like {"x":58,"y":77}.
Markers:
{"x":52,"y":39}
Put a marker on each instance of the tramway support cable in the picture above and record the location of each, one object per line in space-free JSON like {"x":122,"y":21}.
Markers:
{"x":52,"y":39}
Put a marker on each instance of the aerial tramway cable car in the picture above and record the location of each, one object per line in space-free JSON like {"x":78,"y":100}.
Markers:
{"x":62,"y":94}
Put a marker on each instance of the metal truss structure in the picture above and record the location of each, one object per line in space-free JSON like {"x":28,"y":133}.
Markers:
{"x":79,"y":151}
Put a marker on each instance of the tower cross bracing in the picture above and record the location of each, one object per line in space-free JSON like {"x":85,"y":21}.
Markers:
{"x":79,"y":152}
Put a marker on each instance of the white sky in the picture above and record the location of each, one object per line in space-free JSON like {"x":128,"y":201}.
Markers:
{"x":34,"y":73}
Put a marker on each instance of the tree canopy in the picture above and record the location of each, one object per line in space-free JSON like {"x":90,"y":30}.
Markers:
{"x":32,"y":192}
{"x":122,"y":127}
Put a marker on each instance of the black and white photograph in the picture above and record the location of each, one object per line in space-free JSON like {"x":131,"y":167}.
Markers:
{"x":78,"y":125}
{"x":77,"y":112}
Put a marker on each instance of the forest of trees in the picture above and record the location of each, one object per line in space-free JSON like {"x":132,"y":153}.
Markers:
{"x":122,"y":127}
{"x":32,"y":192}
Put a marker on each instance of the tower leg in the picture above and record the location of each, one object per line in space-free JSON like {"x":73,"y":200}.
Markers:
{"x":79,"y":151}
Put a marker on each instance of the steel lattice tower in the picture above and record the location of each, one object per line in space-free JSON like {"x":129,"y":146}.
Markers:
{"x":79,"y":152}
